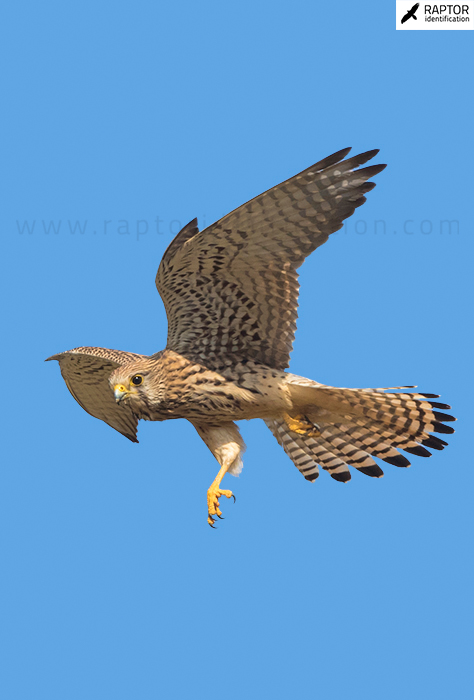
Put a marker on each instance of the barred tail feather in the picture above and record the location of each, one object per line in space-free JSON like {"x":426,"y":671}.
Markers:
{"x":297,"y":447}
{"x":359,"y":424}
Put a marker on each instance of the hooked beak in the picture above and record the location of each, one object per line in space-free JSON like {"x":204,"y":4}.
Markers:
{"x":120,"y":392}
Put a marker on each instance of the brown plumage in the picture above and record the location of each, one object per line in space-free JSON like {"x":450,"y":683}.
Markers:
{"x":230,"y":294}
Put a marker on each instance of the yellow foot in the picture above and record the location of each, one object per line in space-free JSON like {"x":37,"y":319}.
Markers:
{"x":301,"y":425}
{"x":213,"y":496}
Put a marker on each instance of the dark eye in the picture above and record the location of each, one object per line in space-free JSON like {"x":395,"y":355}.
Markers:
{"x":137,"y":380}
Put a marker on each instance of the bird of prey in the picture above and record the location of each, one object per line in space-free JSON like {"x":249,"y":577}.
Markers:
{"x":230,"y":294}
{"x":410,"y":13}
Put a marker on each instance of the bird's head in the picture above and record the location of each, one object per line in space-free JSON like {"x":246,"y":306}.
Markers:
{"x":137,"y":386}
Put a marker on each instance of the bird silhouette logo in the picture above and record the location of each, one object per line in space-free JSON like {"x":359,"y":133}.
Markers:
{"x":411,"y":13}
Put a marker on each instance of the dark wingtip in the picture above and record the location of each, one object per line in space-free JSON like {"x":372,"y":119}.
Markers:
{"x":372,"y":170}
{"x":368,"y":155}
{"x":331,"y":160}
{"x":343,"y":152}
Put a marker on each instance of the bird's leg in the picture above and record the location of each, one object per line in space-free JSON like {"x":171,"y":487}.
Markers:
{"x":301,"y":425}
{"x":214,"y":493}
{"x":227,"y":446}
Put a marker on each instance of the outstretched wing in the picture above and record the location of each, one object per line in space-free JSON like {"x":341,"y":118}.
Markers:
{"x":86,"y":372}
{"x":232,"y":289}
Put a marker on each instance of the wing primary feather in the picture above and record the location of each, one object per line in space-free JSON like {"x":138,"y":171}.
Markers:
{"x":248,"y":260}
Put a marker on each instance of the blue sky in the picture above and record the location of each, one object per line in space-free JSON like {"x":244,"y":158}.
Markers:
{"x":112,"y":584}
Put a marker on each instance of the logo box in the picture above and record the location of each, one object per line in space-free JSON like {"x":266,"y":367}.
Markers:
{"x":432,"y":15}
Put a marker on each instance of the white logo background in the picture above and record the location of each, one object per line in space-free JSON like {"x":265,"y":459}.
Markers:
{"x":439,"y":19}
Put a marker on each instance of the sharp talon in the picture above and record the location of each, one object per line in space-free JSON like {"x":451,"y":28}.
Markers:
{"x":213,"y":509}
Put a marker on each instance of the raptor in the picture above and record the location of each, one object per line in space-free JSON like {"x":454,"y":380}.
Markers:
{"x":230,"y":293}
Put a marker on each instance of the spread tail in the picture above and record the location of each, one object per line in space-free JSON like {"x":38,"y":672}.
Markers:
{"x":358,"y":424}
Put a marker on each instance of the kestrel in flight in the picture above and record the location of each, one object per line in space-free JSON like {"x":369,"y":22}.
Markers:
{"x":230,"y":294}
